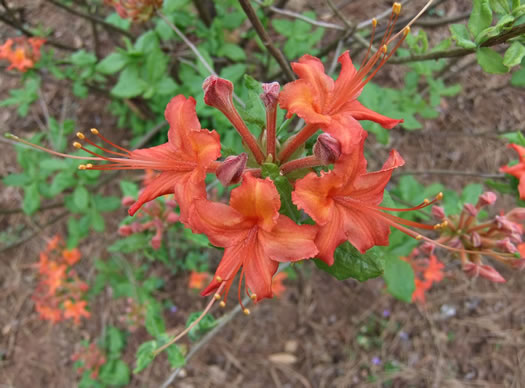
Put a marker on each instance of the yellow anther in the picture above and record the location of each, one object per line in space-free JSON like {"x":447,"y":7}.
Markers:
{"x":426,"y":201}
{"x":384,"y":49}
{"x":89,"y":165}
{"x":94,"y":131}
{"x":406,"y":30}
{"x":436,"y":227}
{"x":80,"y":135}
{"x":218,"y":278}
{"x":222,"y":304}
{"x":396,"y":8}
{"x":439,"y":197}
{"x":246,"y":312}
{"x":82,"y":167}
{"x":444,"y":224}
{"x":419,"y":237}
{"x":217,"y":296}
{"x":374,"y":22}
{"x":253,"y":297}
{"x":77,"y":145}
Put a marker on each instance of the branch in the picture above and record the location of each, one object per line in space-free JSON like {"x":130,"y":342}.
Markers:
{"x":266,"y":40}
{"x":460,"y":52}
{"x":92,"y":18}
{"x":436,"y":22}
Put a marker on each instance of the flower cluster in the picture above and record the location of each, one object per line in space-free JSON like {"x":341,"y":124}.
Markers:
{"x":60,"y":293}
{"x":153,"y":216}
{"x":136,"y":10}
{"x":90,"y":358}
{"x":21,"y":52}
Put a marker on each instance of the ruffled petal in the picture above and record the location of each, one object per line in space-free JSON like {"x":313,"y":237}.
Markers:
{"x":345,"y":83}
{"x":188,"y":188}
{"x":163,"y":184}
{"x":311,"y":70}
{"x":330,"y":236}
{"x":313,"y":195}
{"x":360,"y":112}
{"x":288,"y":241}
{"x":258,"y":200}
{"x":223,"y":225}
{"x":297,"y":98}
{"x":259,"y":270}
{"x":229,"y":266}
{"x":347,"y":130}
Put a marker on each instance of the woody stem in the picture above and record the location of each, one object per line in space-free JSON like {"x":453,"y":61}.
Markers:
{"x":295,"y":142}
{"x":271,"y":117}
{"x":307,"y":162}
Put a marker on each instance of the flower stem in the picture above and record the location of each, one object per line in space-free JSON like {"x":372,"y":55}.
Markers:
{"x":296,"y":141}
{"x":247,"y":136}
{"x":306,"y":162}
{"x":271,"y":117}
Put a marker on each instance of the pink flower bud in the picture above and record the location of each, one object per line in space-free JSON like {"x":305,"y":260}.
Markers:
{"x":125,"y":230}
{"x":171,"y":203}
{"x":327,"y":149}
{"x":127,"y":201}
{"x":506,"y":225}
{"x":507,"y":246}
{"x":270,"y":94}
{"x":455,"y":243}
{"x":491,"y":274}
{"x":172,"y":218}
{"x":218,"y":93}
{"x":516,"y":215}
{"x":516,"y":238}
{"x":487,"y":198}
{"x":136,"y":227}
{"x":428,"y":248}
{"x":475,"y":239}
{"x":156,"y":241}
{"x":230,"y":171}
{"x":438,"y":212}
{"x":470,"y":209}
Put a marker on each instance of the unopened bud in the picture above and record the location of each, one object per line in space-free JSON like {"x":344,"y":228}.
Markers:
{"x":516,"y":238}
{"x":455,"y":243}
{"x":507,"y":246}
{"x":475,"y":239}
{"x":172,"y":218}
{"x":491,"y":274}
{"x":506,"y":225}
{"x":428,"y":248}
{"x":327,"y":149}
{"x":127,"y":201}
{"x":218,"y":93}
{"x":230,"y":171}
{"x":487,"y":198}
{"x":516,"y":215}
{"x":438,"y":212}
{"x":270,"y":94}
{"x":470,"y":209}
{"x":125,"y":230}
{"x":156,"y":241}
{"x":171,"y":203}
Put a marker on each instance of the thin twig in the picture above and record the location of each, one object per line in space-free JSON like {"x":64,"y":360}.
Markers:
{"x":92,"y":18}
{"x":450,"y":172}
{"x":195,"y":51}
{"x":266,"y":40}
{"x":437,"y":22}
{"x":460,"y":52}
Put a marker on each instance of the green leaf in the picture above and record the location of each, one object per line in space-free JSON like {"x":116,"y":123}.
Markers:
{"x":175,"y":356}
{"x":232,"y":51}
{"x":18,"y":180}
{"x":207,"y":323}
{"x":115,"y":373}
{"x":31,"y":199}
{"x":145,"y":355}
{"x":106,"y":204}
{"x":491,"y":61}
{"x":83,"y":58}
{"x":515,"y":137}
{"x":471,"y":192}
{"x":97,"y":221}
{"x":154,"y":321}
{"x":350,"y":263}
{"x":112,"y":63}
{"x":518,"y":78}
{"x":129,"y":189}
{"x":130,"y":244}
{"x":81,"y":197}
{"x":514,"y":54}
{"x":117,"y":21}
{"x":129,"y":83}
{"x":114,"y":341}
{"x":399,"y":278}
{"x":62,"y":181}
{"x":461,"y":36}
{"x":481,"y":17}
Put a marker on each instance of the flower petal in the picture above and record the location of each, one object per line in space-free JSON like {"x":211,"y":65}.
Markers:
{"x":288,"y":241}
{"x":188,"y":188}
{"x":297,"y":98}
{"x":347,"y":130}
{"x":360,"y":112}
{"x":311,"y":70}
{"x":230,"y":263}
{"x":330,"y":236}
{"x":259,"y":270}
{"x":257,"y":199}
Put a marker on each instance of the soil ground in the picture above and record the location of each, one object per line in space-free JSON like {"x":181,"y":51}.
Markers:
{"x":321,"y":333}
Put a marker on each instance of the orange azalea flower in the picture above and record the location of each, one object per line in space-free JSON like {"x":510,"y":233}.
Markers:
{"x":421,"y":287}
{"x":71,"y":256}
{"x":278,"y":288}
{"x":518,"y":170}
{"x":48,"y":313}
{"x":55,"y":276}
{"x":345,"y":203}
{"x":434,"y":271}
{"x":76,"y":310}
{"x":24,"y":55}
{"x":255,"y":237}
{"x":197,"y":280}
{"x":182,"y":161}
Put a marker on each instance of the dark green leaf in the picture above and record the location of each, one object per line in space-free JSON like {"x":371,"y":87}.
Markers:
{"x":115,"y":373}
{"x":491,"y":61}
{"x":284,"y":188}
{"x":129,"y":83}
{"x":350,"y":263}
{"x":399,"y":278}
{"x":18,"y":180}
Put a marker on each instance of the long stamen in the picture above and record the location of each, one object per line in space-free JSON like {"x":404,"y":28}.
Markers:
{"x":244,"y":309}
{"x":96,"y":132}
{"x":422,"y":205}
{"x":81,"y":136}
{"x":193,"y":324}
{"x":365,"y":58}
